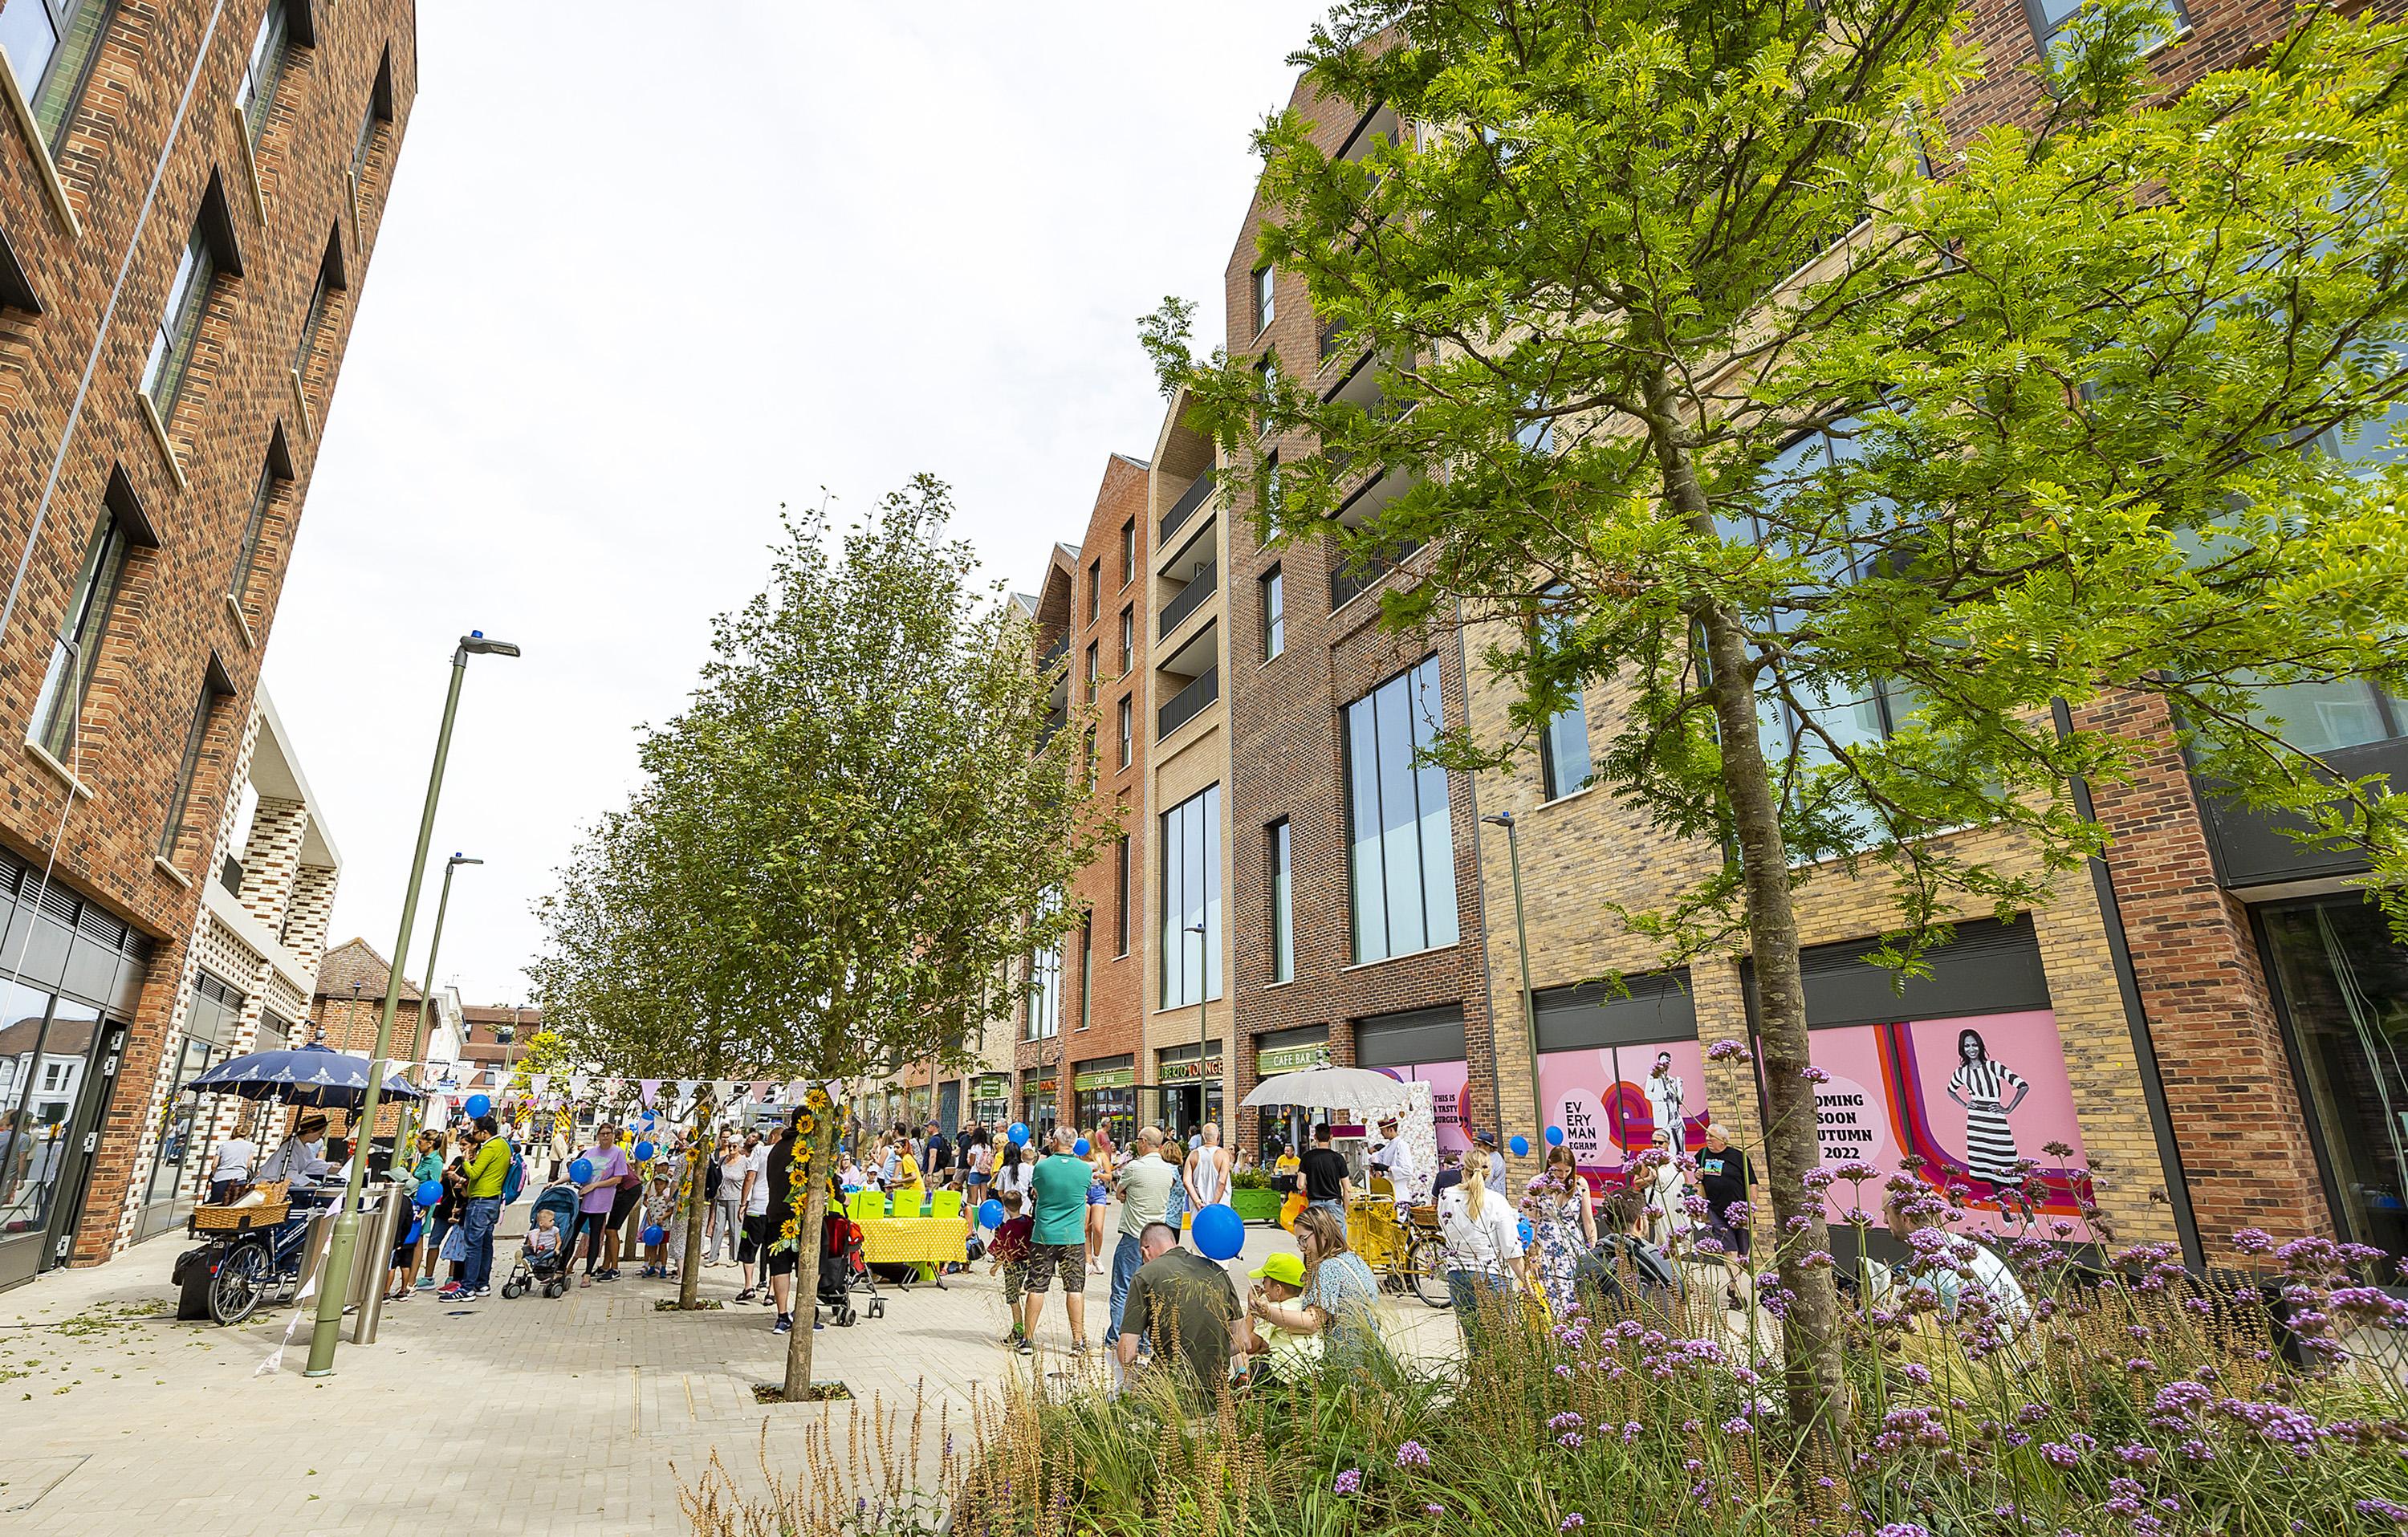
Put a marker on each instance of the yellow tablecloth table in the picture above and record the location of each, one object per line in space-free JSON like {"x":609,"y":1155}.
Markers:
{"x":927,"y":1241}
{"x":1373,"y":1232}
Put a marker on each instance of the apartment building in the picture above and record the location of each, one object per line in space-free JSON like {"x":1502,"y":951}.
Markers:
{"x":250,"y":968}
{"x":189,"y":199}
{"x":1356,"y":900}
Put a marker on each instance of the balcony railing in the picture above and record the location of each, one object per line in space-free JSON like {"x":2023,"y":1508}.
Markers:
{"x":1053,"y":653}
{"x":1185,"y":508}
{"x":1054,"y":723}
{"x":1188,"y":702}
{"x":1351,"y":578}
{"x":1191,"y":598}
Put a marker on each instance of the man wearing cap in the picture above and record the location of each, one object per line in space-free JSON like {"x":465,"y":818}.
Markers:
{"x":1286,"y":1357}
{"x":1396,"y":1156}
{"x":1450,"y":1177}
{"x":1723,"y":1180}
{"x":1184,"y":1303}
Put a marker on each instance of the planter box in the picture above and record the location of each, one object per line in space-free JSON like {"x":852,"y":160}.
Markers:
{"x":1258,"y":1205}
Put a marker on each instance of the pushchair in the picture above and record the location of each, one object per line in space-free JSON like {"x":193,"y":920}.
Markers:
{"x":550,"y":1271}
{"x":843,"y":1271}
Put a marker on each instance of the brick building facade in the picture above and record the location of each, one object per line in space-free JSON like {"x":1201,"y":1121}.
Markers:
{"x":2194,"y":1019}
{"x":189,"y":199}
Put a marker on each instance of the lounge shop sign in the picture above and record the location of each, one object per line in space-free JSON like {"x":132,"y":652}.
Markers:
{"x":1185,"y":1071}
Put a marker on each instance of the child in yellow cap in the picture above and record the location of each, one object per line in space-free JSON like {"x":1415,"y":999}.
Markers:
{"x":1281,"y":1356}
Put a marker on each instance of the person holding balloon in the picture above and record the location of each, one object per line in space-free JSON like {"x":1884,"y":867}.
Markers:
{"x":489,"y":1169}
{"x":597,"y":1172}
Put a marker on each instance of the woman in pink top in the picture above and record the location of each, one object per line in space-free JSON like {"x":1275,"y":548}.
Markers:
{"x":600,"y":1187}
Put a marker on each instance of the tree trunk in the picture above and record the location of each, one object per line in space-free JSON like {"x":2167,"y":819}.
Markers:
{"x":812,"y":1204}
{"x":1817,"y":1389}
{"x":697,"y":1214}
{"x":1816,"y":1384}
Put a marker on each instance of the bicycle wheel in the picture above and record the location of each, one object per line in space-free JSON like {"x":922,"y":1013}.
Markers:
{"x":240,"y":1282}
{"x":1426,"y":1261}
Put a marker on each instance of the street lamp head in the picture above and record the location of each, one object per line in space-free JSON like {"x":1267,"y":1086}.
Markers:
{"x":463,"y":859}
{"x":1503,"y":819}
{"x":475,"y":644}
{"x":1197,"y":928}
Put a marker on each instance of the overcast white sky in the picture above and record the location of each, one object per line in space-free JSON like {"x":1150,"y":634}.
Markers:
{"x":637,"y":286}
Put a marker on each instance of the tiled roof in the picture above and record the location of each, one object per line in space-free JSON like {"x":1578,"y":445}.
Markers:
{"x":357,"y":961}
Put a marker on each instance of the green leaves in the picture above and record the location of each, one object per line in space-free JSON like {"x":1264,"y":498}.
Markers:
{"x":844,"y":838}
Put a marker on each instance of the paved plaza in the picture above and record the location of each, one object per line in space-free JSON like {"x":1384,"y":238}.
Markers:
{"x":563,"y":1416}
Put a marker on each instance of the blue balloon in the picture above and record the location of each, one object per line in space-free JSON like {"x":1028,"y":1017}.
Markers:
{"x":644,"y":1151}
{"x":1520,"y":1144}
{"x":1018,"y":1133}
{"x":1555,"y":1136}
{"x":1523,"y":1227}
{"x":1220,"y":1233}
{"x":990,"y":1212}
{"x":582,"y":1170}
{"x":1081,"y":1147}
{"x":655,"y":1234}
{"x":430,"y":1192}
{"x":479,"y":1105}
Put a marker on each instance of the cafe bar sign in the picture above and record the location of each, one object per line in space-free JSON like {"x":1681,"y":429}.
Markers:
{"x":1271,"y":1059}
{"x":1104,"y":1078}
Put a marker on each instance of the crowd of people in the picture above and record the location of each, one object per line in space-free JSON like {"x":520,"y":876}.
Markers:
{"x":1074,"y":1204}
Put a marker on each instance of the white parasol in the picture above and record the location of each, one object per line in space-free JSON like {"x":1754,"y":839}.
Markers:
{"x":1344,"y":1088}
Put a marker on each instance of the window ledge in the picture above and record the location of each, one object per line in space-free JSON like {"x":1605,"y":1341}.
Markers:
{"x":249,"y":164}
{"x":1564,"y":799}
{"x":171,"y":872}
{"x":1390,"y":960}
{"x":158,"y":435}
{"x":301,"y":404}
{"x":23,"y":113}
{"x":233,"y":606}
{"x":66,"y":776}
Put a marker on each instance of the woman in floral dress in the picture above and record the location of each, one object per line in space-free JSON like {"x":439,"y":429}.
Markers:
{"x":1563,"y":1227}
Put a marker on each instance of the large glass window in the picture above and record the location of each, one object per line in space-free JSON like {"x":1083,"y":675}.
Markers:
{"x":1129,"y":728}
{"x":2324,"y":716}
{"x":1128,"y":639}
{"x":263,"y":70}
{"x":1121,"y":896}
{"x":1191,"y":897}
{"x":1278,"y":855}
{"x":51,"y":46}
{"x":51,"y":1071}
{"x":212,"y":1013}
{"x":179,"y":325}
{"x":2050,"y":18}
{"x":1563,"y":747}
{"x":262,"y":497}
{"x":1400,"y":842}
{"x":74,"y":651}
{"x":1266,"y":286}
{"x":313,"y":320}
{"x":1274,"y":613}
{"x":1129,"y":551}
{"x":1086,"y":974}
{"x":2344,"y":983}
{"x":172,"y":833}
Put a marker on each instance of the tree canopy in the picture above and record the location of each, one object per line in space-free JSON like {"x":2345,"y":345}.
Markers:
{"x":1865,"y":462}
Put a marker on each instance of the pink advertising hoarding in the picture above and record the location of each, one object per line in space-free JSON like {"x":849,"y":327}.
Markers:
{"x":1609,"y":1100}
{"x":1446,"y":1081}
{"x":1968,"y":1096}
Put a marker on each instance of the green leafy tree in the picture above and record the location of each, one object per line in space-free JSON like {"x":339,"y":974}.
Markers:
{"x":546,"y":1052}
{"x":644,"y":972}
{"x":890,"y":814}
{"x":1702,"y":360}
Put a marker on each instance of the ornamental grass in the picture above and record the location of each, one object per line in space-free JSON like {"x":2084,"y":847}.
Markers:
{"x":2136,"y":1398}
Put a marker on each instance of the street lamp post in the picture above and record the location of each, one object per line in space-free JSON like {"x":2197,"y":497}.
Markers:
{"x":336,"y":1280}
{"x":435,"y":948}
{"x":1203,"y":995}
{"x":1522,"y":950}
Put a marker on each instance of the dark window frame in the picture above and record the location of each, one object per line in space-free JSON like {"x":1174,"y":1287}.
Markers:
{"x":58,"y":704}
{"x":274,"y":468}
{"x":1272,"y":586}
{"x":216,"y":687}
{"x":78,"y":30}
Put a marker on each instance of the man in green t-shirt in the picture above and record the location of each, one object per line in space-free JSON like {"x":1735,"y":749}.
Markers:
{"x":1144,"y":1188}
{"x":1184,"y":1303}
{"x":1058,"y":1244}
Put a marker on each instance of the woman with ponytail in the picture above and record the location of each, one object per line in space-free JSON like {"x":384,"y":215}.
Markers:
{"x":1484,"y":1247}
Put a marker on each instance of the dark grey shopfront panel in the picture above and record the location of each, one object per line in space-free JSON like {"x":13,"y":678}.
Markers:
{"x":1410,"y":1039}
{"x":1990,"y":967}
{"x":1644,"y":1010}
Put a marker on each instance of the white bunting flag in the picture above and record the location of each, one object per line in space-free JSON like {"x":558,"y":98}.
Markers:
{"x":650,"y":1090}
{"x":578,"y":1083}
{"x":541,"y":1083}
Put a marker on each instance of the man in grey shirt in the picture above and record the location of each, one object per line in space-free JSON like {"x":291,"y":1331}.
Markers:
{"x":1144,"y":1185}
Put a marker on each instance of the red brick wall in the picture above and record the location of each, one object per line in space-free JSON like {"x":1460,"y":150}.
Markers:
{"x":1116,"y":1019}
{"x":2236,"y":1112}
{"x":171,"y":617}
{"x":1285,"y":748}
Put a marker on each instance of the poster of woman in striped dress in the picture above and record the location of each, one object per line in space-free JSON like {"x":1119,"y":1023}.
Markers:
{"x":1990,"y":1092}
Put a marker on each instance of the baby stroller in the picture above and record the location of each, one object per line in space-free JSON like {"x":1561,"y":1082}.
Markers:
{"x":843,"y":1271}
{"x":552,"y":1269}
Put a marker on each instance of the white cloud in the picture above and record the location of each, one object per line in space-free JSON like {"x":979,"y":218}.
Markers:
{"x":636,"y":286}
